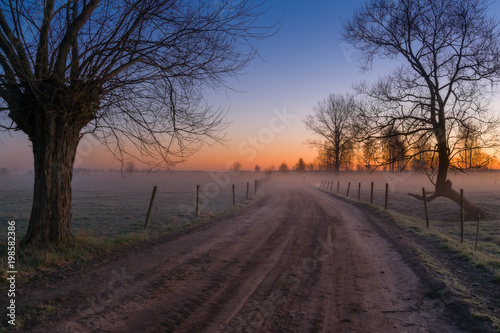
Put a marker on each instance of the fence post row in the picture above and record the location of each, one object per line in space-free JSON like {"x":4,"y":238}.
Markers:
{"x":326,"y":184}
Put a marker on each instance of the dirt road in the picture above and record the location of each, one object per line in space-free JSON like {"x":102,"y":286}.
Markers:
{"x":298,"y":261}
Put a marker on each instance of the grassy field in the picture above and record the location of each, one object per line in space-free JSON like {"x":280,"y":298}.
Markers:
{"x":110,"y":210}
{"x":112,"y":204}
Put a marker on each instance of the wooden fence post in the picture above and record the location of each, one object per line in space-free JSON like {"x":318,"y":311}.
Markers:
{"x":248,"y":190}
{"x":386,"y":195}
{"x":371,"y":194}
{"x":425,"y":208}
{"x":477,"y":228}
{"x":359,"y":192}
{"x":234,"y":197}
{"x":255,"y":187}
{"x":348,"y":187}
{"x":197,"y":200}
{"x":461,"y":215}
{"x":150,"y":207}
{"x":338,"y":187}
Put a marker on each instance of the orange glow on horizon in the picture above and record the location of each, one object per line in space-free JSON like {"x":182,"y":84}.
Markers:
{"x":93,"y":155}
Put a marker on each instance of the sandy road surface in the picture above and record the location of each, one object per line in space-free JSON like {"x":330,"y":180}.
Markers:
{"x":298,"y":261}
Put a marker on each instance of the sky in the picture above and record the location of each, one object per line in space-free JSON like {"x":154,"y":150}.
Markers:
{"x":299,"y":66}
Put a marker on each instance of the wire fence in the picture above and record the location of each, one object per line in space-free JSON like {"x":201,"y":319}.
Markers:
{"x":109,"y":204}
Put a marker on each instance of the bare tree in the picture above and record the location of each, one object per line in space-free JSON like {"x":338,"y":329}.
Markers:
{"x":283,"y":167}
{"x":129,"y":167}
{"x":325,"y":158}
{"x":301,"y":165}
{"x":369,"y":154}
{"x":131,"y":73}
{"x":450,"y":54}
{"x":423,"y":154}
{"x":332,"y":122}
{"x":270,"y":170}
{"x":393,"y":150}
{"x":469,"y":154}
{"x":236,"y":167}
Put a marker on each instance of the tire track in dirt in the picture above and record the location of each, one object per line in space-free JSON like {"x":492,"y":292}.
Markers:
{"x":301,"y":261}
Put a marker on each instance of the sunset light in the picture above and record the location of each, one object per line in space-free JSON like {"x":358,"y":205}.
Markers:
{"x":249,"y":166}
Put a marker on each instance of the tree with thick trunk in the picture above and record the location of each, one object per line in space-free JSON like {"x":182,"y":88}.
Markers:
{"x":450,"y":61}
{"x":130,"y":73}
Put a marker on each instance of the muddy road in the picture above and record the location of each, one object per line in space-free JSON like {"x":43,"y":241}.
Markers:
{"x":297,"y":261}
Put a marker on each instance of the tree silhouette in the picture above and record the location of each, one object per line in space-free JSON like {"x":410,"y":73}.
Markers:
{"x":301,"y":165}
{"x":283,"y":167}
{"x":393,"y":150}
{"x":236,"y":167}
{"x":332,"y":122}
{"x":450,"y":54}
{"x":469,"y":154}
{"x":131,"y":73}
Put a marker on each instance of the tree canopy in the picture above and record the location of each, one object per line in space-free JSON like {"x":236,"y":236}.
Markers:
{"x":449,"y":55}
{"x":131,"y":73}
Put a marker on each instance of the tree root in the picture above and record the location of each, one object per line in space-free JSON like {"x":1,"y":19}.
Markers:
{"x":471,"y":210}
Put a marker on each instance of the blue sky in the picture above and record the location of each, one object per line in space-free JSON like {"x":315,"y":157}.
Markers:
{"x":302,"y":64}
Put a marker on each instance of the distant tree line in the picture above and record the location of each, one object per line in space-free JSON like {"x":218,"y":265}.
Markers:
{"x":339,"y":129}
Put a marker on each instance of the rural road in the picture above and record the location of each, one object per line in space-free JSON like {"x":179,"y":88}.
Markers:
{"x":297,"y":261}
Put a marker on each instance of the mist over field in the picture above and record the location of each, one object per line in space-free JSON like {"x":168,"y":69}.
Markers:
{"x":112,"y":203}
{"x":293,"y":236}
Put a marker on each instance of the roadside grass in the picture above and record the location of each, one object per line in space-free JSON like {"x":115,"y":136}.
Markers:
{"x":84,"y":248}
{"x":30,"y":313}
{"x":485,"y":257}
{"x":108,"y":204}
{"x":447,"y":234}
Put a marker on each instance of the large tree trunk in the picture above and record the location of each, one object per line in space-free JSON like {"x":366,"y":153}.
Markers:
{"x":444,"y":164}
{"x":443,"y":186}
{"x":54,"y":149}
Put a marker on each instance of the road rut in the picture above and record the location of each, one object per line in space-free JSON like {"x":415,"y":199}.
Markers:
{"x":297,"y":261}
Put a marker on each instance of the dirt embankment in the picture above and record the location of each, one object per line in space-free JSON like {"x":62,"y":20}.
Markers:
{"x":298,"y":261}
